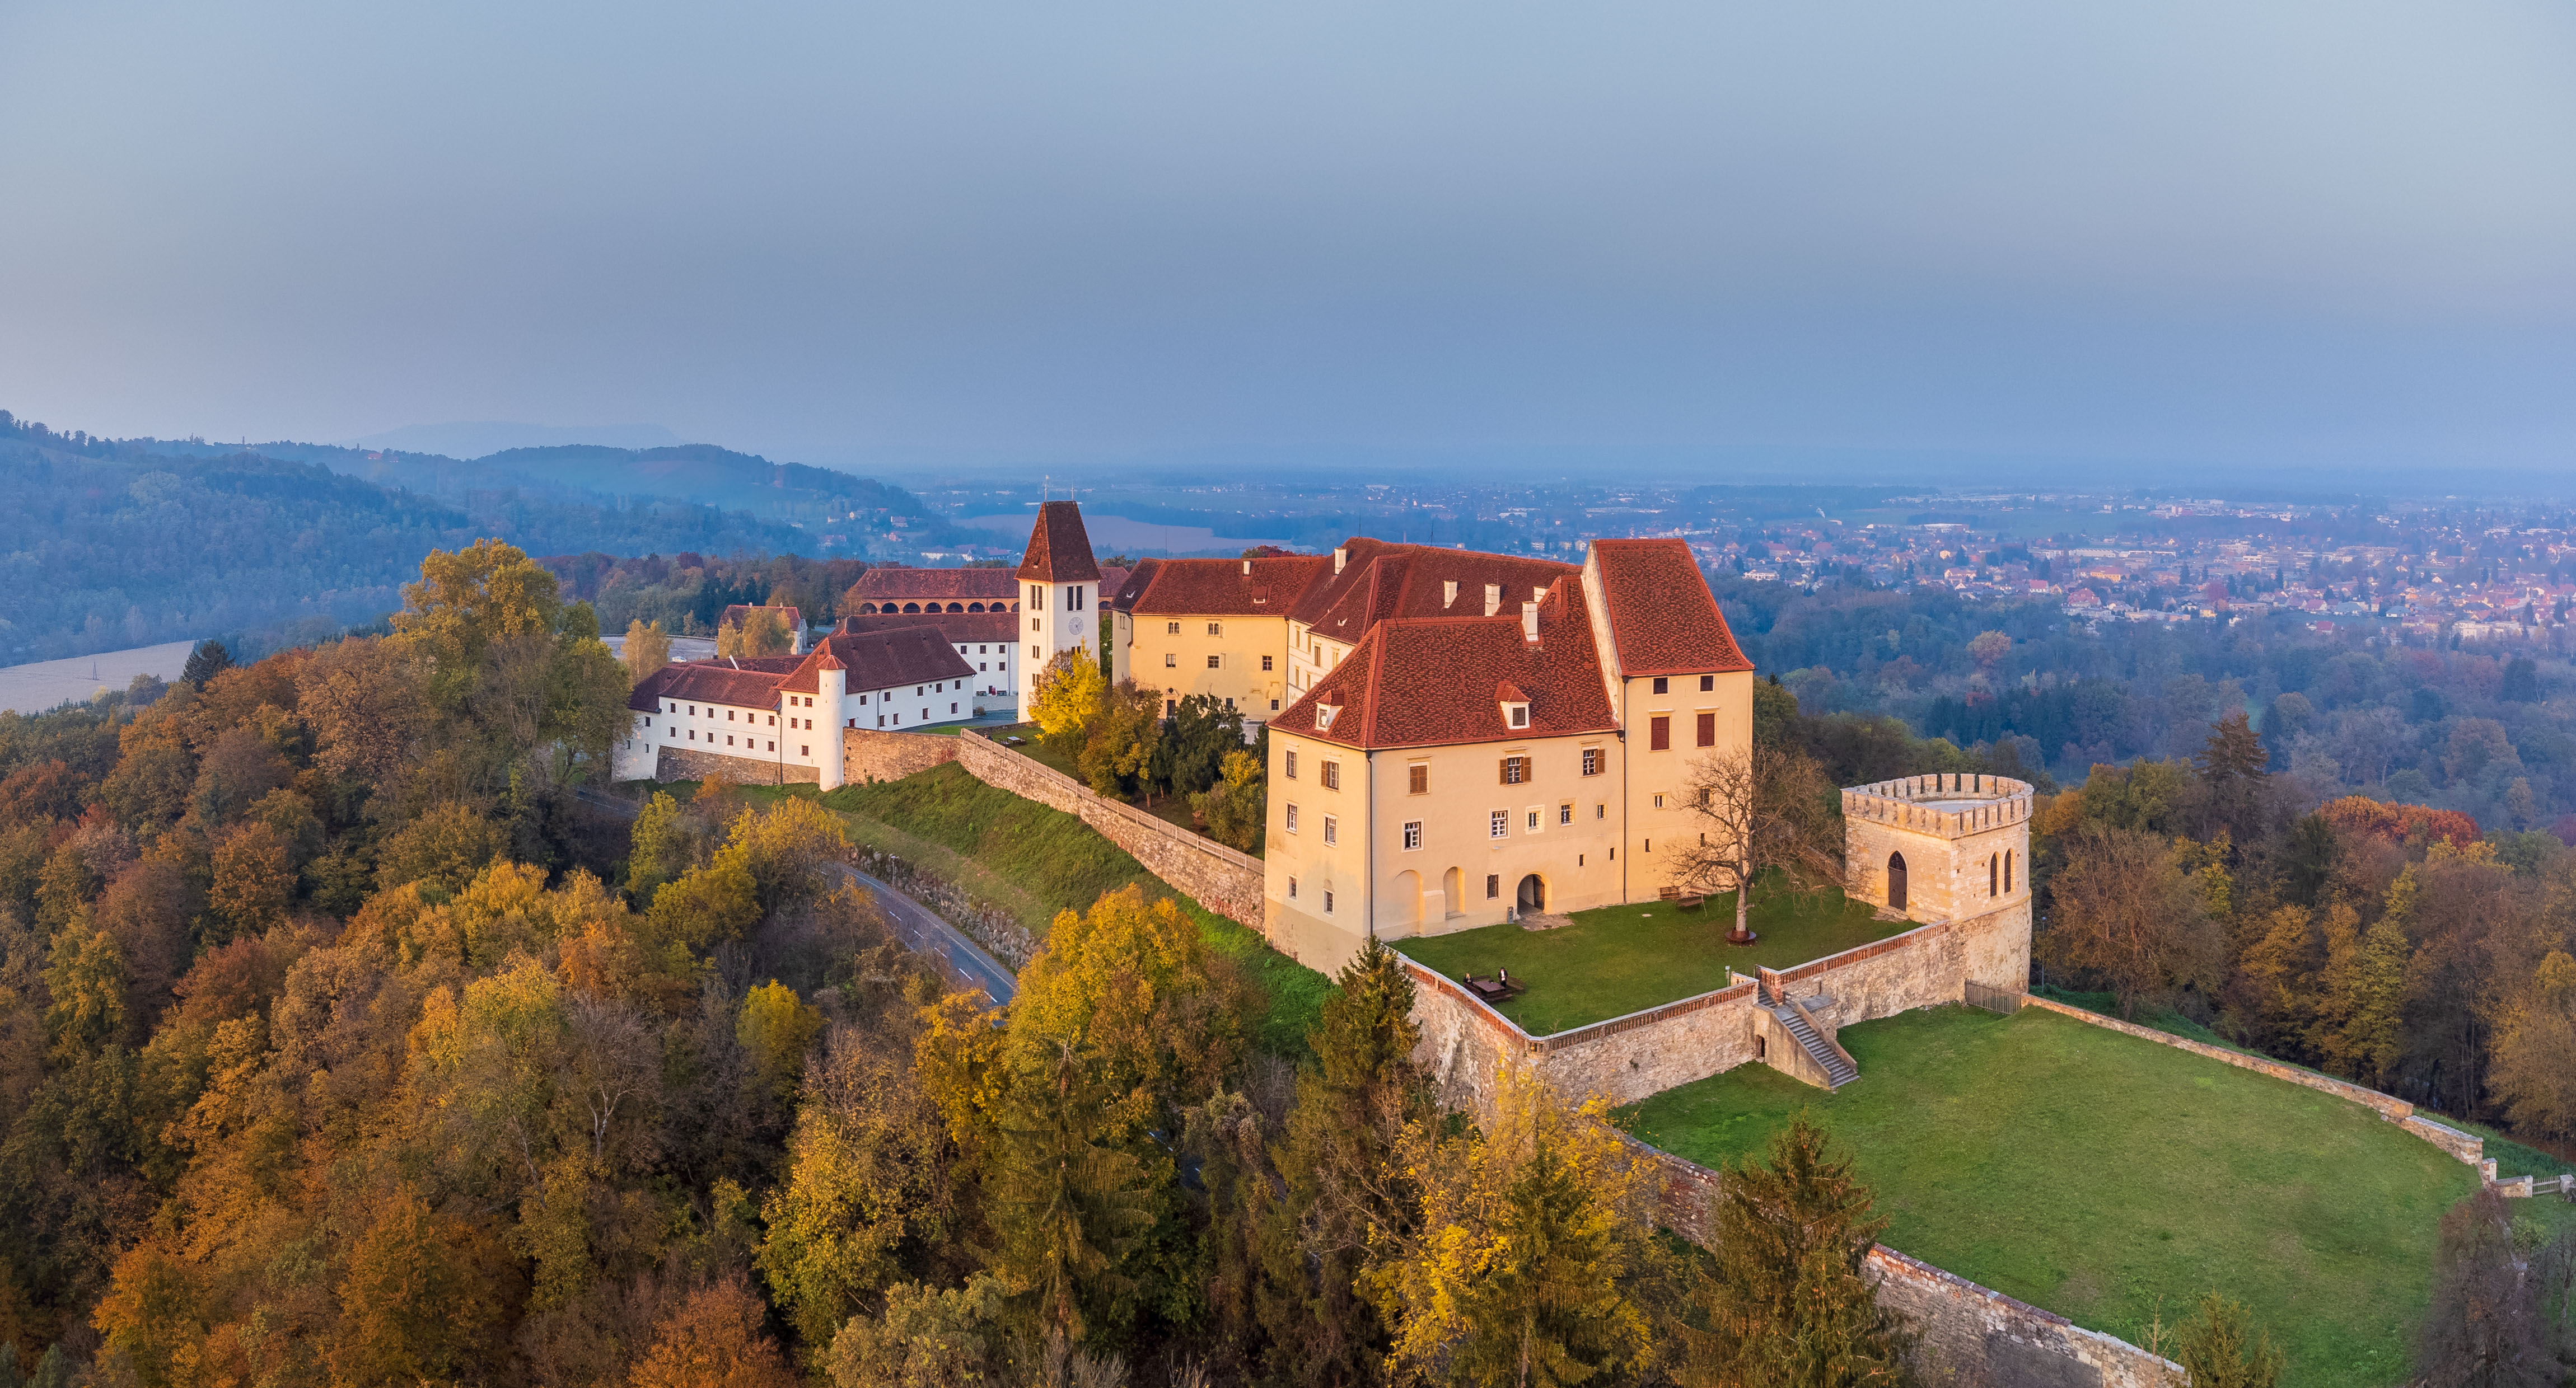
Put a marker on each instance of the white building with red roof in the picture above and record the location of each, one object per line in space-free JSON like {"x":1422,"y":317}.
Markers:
{"x":782,"y":718}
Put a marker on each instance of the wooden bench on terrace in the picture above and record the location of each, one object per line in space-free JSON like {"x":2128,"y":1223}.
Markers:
{"x":1495,"y":989}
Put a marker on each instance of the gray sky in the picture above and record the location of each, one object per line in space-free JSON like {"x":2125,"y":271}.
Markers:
{"x":896,"y":236}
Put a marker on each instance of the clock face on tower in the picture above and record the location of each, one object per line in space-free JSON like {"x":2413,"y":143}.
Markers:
{"x":1073,"y":625}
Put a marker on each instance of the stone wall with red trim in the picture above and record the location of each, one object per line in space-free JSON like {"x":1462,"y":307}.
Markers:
{"x":1466,"y":1044}
{"x":1211,"y":874}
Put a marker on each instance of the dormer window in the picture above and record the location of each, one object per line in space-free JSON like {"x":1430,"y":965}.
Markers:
{"x":1516,"y":715}
{"x":1324,"y":715}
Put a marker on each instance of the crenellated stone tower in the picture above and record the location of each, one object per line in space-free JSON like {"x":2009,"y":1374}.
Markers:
{"x":1952,"y":848}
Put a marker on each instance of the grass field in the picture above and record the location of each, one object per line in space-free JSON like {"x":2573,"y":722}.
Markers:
{"x":1036,"y":861}
{"x":2107,"y":1178}
{"x":1620,"y":959}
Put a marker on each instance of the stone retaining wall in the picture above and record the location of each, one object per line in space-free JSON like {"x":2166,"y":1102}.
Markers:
{"x":1467,"y":1044}
{"x":1211,"y":874}
{"x":1974,"y":1334}
{"x":869,"y":755}
{"x":680,"y":764}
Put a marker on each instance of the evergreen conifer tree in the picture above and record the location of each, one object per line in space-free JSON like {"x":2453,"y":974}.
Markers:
{"x":1066,"y":1206}
{"x":1312,"y":1241}
{"x":1785,"y":1298}
{"x":208,"y":660}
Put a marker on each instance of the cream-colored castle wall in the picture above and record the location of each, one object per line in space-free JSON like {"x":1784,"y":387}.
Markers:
{"x":1241,"y":646}
{"x":1654,"y":829}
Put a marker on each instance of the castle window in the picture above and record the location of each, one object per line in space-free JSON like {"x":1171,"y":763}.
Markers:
{"x":1707,"y":684}
{"x":1328,"y":901}
{"x":1499,"y":825}
{"x":1708,"y":730}
{"x":1292,"y":817}
{"x":1213,"y":661}
{"x":1533,"y":822}
{"x":1591,"y":761}
{"x":1412,"y":834}
{"x":1993,"y":861}
{"x":2007,"y":872}
{"x":1659,"y":800}
{"x":1663,"y":685}
{"x":1216,"y":628}
{"x":1515,"y":770}
{"x":1292,"y":764}
{"x":1517,"y":714}
{"x":1659,"y":734}
{"x":1332,"y":830}
{"x":1332,"y":775}
{"x":1493,"y":885}
{"x":1265,"y":662}
{"x":1418,"y":778}
{"x":1565,"y":814}
{"x":1292,"y":889}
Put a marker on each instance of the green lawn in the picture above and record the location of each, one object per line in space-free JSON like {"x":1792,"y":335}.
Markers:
{"x":1036,"y":861}
{"x":2107,"y":1178}
{"x":1622,"y":959}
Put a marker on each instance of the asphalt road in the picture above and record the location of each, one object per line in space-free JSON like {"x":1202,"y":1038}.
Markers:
{"x":921,"y":929}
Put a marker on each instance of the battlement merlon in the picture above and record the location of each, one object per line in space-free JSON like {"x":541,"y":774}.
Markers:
{"x":1949,"y":805}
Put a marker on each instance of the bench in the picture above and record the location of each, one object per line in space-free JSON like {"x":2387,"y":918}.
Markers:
{"x":1689,"y":903}
{"x":1492,"y":989}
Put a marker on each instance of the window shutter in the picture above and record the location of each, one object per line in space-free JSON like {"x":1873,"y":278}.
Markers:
{"x":1659,"y":734}
{"x":1505,"y":772}
{"x":1708,"y":730}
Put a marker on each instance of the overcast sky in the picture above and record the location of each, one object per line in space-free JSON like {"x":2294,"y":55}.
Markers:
{"x":1692,"y":235}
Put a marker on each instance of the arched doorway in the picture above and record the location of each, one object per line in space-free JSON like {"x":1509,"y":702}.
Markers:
{"x":1896,"y":881}
{"x":1533,"y":893}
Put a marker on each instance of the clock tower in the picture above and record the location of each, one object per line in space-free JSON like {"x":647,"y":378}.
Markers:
{"x":1059,"y":596}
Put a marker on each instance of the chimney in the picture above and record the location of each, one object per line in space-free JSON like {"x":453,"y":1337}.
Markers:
{"x":1537,"y":593}
{"x":1247,"y":568}
{"x":1449,"y":593}
{"x":1529,"y":621}
{"x":1340,"y":557}
{"x":1493,"y":598}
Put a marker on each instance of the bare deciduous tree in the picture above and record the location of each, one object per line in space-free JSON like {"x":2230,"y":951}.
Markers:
{"x":2125,"y":911}
{"x":1761,"y":811}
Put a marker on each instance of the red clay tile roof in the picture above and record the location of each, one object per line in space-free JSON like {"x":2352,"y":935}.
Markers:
{"x":1428,"y":681}
{"x":1220,"y":587}
{"x":878,"y":660}
{"x":1059,"y":548}
{"x":1381,"y":580}
{"x":708,"y":682}
{"x":1663,"y":619}
{"x":883,"y":659}
{"x":960,"y":626}
{"x":882,"y":586}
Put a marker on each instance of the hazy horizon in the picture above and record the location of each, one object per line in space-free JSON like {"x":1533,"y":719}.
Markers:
{"x":1993,"y":245}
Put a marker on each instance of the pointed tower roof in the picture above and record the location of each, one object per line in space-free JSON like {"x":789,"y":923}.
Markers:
{"x":1059,"y":548}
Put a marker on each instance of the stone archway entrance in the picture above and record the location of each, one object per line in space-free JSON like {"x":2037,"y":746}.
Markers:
{"x":1533,"y":893}
{"x":1896,"y":881}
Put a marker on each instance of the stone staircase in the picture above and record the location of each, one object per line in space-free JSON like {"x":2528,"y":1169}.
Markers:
{"x":1839,"y":1071}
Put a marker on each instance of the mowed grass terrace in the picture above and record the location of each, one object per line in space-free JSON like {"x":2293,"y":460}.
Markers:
{"x":2113,"y":1180}
{"x":1622,"y":959}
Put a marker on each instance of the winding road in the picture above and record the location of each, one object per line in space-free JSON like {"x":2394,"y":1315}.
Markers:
{"x":921,"y":929}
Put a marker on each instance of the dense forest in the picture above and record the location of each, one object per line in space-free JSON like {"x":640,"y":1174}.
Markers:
{"x":109,"y":544}
{"x":2490,"y":735}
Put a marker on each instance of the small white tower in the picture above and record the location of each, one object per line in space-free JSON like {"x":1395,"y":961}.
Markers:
{"x":1059,"y":596}
{"x":831,"y":690}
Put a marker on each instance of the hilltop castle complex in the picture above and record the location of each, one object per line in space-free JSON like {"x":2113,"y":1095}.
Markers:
{"x":1456,"y":738}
